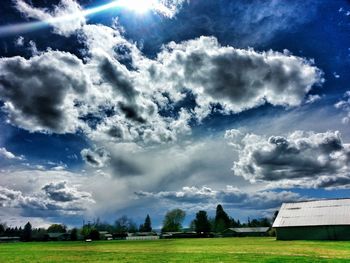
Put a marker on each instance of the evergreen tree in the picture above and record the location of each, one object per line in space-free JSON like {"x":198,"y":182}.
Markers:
{"x":202,"y":224}
{"x":2,"y":228}
{"x":74,"y":234}
{"x":27,"y":232}
{"x":147,"y":226}
{"x":222,"y":220}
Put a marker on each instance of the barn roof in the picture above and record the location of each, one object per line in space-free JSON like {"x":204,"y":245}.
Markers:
{"x":249,"y":229}
{"x":314,"y":213}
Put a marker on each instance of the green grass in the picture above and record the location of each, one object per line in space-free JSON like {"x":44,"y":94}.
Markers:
{"x":179,"y":250}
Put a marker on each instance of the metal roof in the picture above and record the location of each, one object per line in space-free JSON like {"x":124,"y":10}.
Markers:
{"x":314,"y":213}
{"x":249,"y":229}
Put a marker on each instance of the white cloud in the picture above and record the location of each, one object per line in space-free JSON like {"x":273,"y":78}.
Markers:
{"x":236,"y":79}
{"x":19,"y":42}
{"x":9,"y":155}
{"x":316,"y":159}
{"x":57,"y":83}
{"x":55,"y":198}
{"x":97,"y":158}
{"x":142,"y":95}
{"x":65,"y":8}
{"x":232,"y":196}
{"x":170,"y":8}
{"x":344,"y":105}
{"x":313,"y":98}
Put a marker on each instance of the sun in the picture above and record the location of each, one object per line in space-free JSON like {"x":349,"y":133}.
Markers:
{"x":139,"y":6}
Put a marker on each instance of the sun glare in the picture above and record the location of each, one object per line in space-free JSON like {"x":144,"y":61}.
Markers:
{"x":138,"y":6}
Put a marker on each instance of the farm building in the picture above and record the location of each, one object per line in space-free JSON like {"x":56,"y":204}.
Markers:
{"x":246,"y":231}
{"x":9,"y":239}
{"x":314,"y":220}
{"x":105,"y":235}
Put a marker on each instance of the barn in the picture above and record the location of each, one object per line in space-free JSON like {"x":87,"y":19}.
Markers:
{"x":314,"y":220}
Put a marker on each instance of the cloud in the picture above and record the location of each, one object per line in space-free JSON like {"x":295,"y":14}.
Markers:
{"x":19,"y":42}
{"x":41,"y":93}
{"x":65,"y":8}
{"x":142,"y":100}
{"x":316,"y":159}
{"x":313,"y":98}
{"x":62,"y":193}
{"x":97,"y":158}
{"x":168,"y":8}
{"x":236,"y":79}
{"x":344,"y":105}
{"x":9,"y":155}
{"x":55,"y":198}
{"x":232,"y":196}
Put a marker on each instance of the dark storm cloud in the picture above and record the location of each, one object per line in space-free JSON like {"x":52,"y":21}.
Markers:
{"x":320,"y":158}
{"x":232,"y":196}
{"x":39,"y":93}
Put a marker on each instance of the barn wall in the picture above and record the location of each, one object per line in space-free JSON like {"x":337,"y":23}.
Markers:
{"x":313,"y":233}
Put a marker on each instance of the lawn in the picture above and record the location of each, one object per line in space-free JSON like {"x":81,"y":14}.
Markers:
{"x":179,"y":250}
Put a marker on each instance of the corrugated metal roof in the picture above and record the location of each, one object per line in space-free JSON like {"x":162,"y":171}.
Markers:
{"x":314,"y":213}
{"x":249,"y":229}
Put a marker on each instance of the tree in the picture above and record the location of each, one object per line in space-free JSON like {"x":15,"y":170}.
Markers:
{"x":2,"y":228}
{"x":39,"y":234}
{"x":74,"y":234}
{"x":222,"y":220}
{"x":202,"y":224}
{"x":261,"y":222}
{"x":27,"y":232}
{"x":173,"y":220}
{"x":235,"y":223}
{"x":57,"y":228}
{"x":85,"y":230}
{"x":94,"y":234}
{"x":147,"y":226}
{"x":192,"y":226}
{"x":124,"y":224}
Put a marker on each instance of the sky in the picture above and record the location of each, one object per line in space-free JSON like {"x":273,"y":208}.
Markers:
{"x":112,"y":108}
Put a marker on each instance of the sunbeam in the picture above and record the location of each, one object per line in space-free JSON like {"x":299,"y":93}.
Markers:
{"x":138,"y":6}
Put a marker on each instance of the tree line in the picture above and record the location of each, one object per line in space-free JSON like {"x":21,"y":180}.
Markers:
{"x":202,"y":224}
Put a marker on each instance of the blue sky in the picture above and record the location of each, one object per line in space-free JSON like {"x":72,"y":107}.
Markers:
{"x":186,"y":104}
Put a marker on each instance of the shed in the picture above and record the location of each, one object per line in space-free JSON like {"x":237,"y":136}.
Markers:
{"x":9,"y":239}
{"x":246,"y":231}
{"x":105,"y":235}
{"x":314,"y":220}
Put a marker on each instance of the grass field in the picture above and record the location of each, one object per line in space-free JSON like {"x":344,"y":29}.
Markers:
{"x":179,"y":250}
